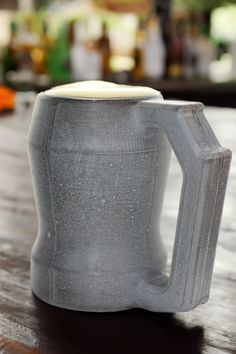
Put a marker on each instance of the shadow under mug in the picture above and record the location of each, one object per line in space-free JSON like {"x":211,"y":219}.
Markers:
{"x":127,"y":332}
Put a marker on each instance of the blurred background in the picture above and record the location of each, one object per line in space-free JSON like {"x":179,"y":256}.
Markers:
{"x":185,"y":48}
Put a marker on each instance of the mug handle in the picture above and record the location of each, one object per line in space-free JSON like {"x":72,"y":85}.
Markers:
{"x":205,"y":166}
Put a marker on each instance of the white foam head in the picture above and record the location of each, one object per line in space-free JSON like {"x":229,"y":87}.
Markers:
{"x":101,"y":90}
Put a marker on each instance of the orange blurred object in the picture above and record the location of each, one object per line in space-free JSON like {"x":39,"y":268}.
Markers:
{"x":7,"y":98}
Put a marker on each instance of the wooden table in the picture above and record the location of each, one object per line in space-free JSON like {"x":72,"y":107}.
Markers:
{"x":28,"y":325}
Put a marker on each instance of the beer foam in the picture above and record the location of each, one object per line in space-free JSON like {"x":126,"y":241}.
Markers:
{"x":101,"y":90}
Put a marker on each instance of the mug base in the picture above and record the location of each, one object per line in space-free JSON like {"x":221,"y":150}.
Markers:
{"x":84,"y":309}
{"x":100,"y":292}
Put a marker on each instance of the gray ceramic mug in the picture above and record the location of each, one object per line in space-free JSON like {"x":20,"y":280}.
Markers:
{"x":99,"y":168}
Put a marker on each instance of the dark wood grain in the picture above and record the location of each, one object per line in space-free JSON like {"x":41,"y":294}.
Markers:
{"x":27,"y":325}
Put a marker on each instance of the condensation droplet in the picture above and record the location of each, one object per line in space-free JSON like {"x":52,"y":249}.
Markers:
{"x":49,"y":235}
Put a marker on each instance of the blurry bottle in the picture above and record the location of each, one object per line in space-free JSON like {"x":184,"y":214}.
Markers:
{"x":154,"y":50}
{"x":206,"y":53}
{"x":26,"y":41}
{"x":85,"y":59}
{"x":200,"y":52}
{"x":177,"y":50}
{"x":190,"y":57}
{"x":9,"y":58}
{"x":94,"y":62}
{"x":58,"y":57}
{"x":23,"y":41}
{"x":138,"y":56}
{"x":39,"y":52}
{"x":103,"y":45}
{"x":27,"y":36}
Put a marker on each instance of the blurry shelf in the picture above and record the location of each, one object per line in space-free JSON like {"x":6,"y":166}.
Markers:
{"x":212,"y":94}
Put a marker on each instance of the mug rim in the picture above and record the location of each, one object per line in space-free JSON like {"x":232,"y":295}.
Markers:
{"x":116,"y":99}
